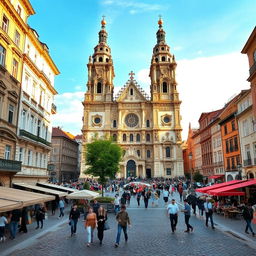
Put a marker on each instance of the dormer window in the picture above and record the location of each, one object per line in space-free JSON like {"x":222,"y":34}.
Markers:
{"x":131,"y":91}
{"x":99,"y":88}
{"x":165,"y":88}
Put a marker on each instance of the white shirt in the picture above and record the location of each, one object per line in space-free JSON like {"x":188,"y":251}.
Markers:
{"x":117,"y":200}
{"x":3,"y":221}
{"x":173,"y":208}
{"x":166,"y":193}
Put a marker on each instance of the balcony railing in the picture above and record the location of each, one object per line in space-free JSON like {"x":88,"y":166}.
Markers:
{"x":253,"y":68}
{"x":34,"y":137}
{"x":247,"y":162}
{"x":10,"y":165}
{"x":54,"y":109}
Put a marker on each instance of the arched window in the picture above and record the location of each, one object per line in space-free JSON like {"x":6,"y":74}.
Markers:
{"x":131,"y":91}
{"x":138,"y":137}
{"x":148,"y":153}
{"x":165,"y":88}
{"x":131,"y":137}
{"x":156,"y":59}
{"x":148,"y":137}
{"x":167,"y":152}
{"x":148,"y":123}
{"x":106,"y":59}
{"x":114,"y":123}
{"x":163,"y":58}
{"x":99,"y":87}
{"x":124,"y":137}
{"x":100,"y":59}
{"x":114,"y":137}
{"x":162,"y":48}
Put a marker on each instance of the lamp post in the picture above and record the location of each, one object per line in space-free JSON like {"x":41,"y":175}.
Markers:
{"x":190,"y":156}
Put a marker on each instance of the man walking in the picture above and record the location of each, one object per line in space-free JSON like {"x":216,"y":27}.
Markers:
{"x":248,"y":216}
{"x":122,"y":220}
{"x":172,"y":210}
{"x":208,"y":212}
{"x":61,"y":206}
{"x":117,"y":204}
{"x":73,"y":218}
{"x":15,"y":221}
{"x":187,"y":212}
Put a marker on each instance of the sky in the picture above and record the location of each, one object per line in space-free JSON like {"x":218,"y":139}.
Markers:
{"x":205,"y":36}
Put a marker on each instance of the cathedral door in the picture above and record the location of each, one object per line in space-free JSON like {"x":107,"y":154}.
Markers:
{"x":131,"y":168}
{"x":148,"y":173}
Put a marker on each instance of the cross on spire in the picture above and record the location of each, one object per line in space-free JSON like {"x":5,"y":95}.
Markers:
{"x":131,"y":74}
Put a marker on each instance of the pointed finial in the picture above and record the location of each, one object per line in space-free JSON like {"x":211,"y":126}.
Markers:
{"x":103,"y":21}
{"x":160,"y":21}
{"x":131,"y":74}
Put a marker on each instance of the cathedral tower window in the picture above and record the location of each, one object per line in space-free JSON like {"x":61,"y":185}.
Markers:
{"x":163,"y":58}
{"x":131,"y":91}
{"x":148,"y":137}
{"x":131,"y":137}
{"x":148,"y":153}
{"x":101,"y":48}
{"x":100,"y":59}
{"x":99,"y":88}
{"x":124,"y":137}
{"x":162,"y":48}
{"x":106,"y":59}
{"x":156,"y":59}
{"x":167,"y":152}
{"x":165,"y":88}
{"x":114,"y":123}
{"x":138,"y":137}
{"x":148,"y":123}
{"x":138,"y":153}
{"x":114,"y":137}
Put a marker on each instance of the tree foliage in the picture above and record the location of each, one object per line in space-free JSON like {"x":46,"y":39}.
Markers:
{"x":102,"y":159}
{"x":198,"y":177}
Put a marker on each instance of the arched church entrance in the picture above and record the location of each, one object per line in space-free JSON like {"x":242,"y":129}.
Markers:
{"x":131,"y":169}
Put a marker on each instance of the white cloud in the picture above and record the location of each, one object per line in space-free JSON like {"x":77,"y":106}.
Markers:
{"x":177,"y":48}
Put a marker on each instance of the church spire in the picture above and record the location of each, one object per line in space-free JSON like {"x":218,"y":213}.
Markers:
{"x":103,"y":35}
{"x":160,"y":35}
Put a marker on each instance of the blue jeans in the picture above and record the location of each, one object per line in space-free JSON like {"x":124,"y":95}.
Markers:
{"x":73,"y":225}
{"x":248,"y":226}
{"x":119,"y":230}
{"x":13,"y":228}
{"x":117,"y":209}
{"x":90,"y":234}
{"x":61,"y":212}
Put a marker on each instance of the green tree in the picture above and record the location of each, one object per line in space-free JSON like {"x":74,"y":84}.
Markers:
{"x":102,"y":159}
{"x":198,"y":177}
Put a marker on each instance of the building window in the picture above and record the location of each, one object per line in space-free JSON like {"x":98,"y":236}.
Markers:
{"x":131,"y":137}
{"x":21,"y":154}
{"x":165,"y":88}
{"x":19,"y":10}
{"x":7,"y":152}
{"x":148,"y":123}
{"x":14,"y":68}
{"x":38,"y":128}
{"x":138,"y":153}
{"x":10,"y":113}
{"x":148,"y":137}
{"x":138,"y":137}
{"x":247,"y":152}
{"x":236,"y":144}
{"x":167,"y":152}
{"x":29,"y":157}
{"x":114,"y":123}
{"x":233,"y":163}
{"x":99,"y":88}
{"x":168,"y":171}
{"x":32,"y":123}
{"x":233,"y":125}
{"x":245,"y":128}
{"x":5,"y":24}
{"x":227,"y":146}
{"x":114,"y":137}
{"x":36,"y":159}
{"x":23,"y":119}
{"x":163,"y":58}
{"x":225,"y":130}
{"x":2,"y":55}
{"x":131,"y":91}
{"x":124,"y":137}
{"x":17,"y":38}
{"x":100,"y":59}
{"x":148,"y":153}
{"x":46,"y":133}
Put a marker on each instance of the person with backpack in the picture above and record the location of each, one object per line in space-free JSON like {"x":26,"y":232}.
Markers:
{"x":248,"y":216}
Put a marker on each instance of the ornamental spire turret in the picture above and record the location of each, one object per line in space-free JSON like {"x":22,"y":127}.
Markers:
{"x":103,"y":35}
{"x":160,"y":34}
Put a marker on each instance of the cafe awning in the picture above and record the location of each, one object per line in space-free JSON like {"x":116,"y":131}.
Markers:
{"x":11,"y":198}
{"x":232,"y":188}
{"x":57,"y":187}
{"x":83,"y":194}
{"x":215,"y":176}
{"x":42,"y":189}
{"x":219,"y":185}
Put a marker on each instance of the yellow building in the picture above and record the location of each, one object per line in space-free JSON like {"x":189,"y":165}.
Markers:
{"x":146,"y":127}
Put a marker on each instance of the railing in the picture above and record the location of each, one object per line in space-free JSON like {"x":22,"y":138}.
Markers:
{"x":253,"y":68}
{"x":34,"y":137}
{"x":247,"y":162}
{"x":10,"y":165}
{"x":54,"y":108}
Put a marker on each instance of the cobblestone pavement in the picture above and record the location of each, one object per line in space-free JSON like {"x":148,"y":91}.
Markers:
{"x":150,"y":234}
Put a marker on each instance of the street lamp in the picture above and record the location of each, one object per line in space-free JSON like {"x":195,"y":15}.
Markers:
{"x":190,"y":156}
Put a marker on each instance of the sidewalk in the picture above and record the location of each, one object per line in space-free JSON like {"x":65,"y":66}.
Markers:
{"x":50,"y":224}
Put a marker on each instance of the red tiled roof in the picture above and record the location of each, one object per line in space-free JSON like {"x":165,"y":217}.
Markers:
{"x":79,"y":137}
{"x":57,"y":132}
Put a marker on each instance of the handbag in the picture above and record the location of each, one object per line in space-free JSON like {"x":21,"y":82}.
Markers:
{"x":106,"y":226}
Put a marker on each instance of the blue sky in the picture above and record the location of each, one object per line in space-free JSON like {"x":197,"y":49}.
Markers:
{"x":203,"y":35}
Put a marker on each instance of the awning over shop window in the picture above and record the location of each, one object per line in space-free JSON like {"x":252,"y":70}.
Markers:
{"x":57,"y":187}
{"x":215,"y":176}
{"x":232,"y":188}
{"x":42,"y":189}
{"x":219,"y":185}
{"x":11,"y":198}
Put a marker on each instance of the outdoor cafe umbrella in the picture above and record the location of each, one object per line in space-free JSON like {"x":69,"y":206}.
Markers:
{"x":83,"y":194}
{"x":136,"y":183}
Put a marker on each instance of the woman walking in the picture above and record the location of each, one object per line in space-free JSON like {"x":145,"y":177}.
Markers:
{"x":101,"y":219}
{"x":90,"y":225}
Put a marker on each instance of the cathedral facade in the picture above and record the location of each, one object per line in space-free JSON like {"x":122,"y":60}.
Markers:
{"x":146,"y":127}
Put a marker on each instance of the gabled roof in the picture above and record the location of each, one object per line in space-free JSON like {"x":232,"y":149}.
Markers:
{"x":58,"y":132}
{"x":251,"y":38}
{"x":125,"y":90}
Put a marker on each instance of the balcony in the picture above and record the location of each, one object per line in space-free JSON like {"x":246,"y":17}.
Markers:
{"x":54,"y":109}
{"x":34,"y":137}
{"x":248,"y":162}
{"x":252,"y":69}
{"x":10,"y":165}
